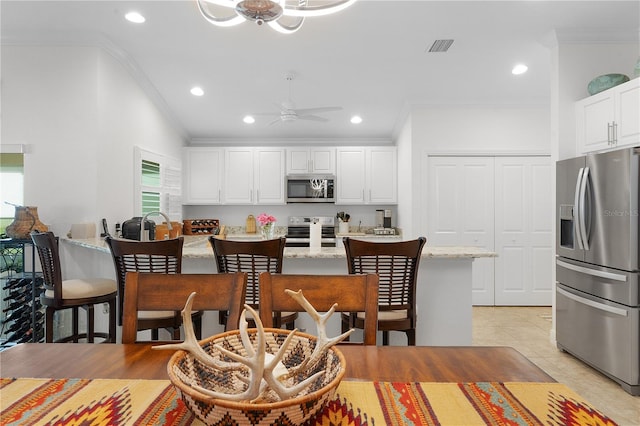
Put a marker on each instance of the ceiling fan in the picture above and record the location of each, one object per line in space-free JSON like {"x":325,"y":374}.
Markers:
{"x":288,"y":113}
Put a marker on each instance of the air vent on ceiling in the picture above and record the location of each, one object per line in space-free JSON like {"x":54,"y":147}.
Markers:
{"x":440,"y":45}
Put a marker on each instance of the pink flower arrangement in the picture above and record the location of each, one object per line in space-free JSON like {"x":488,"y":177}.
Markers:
{"x":265,"y":219}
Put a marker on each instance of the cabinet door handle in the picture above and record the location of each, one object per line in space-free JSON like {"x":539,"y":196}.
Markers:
{"x":609,"y":133}
{"x":615,"y":133}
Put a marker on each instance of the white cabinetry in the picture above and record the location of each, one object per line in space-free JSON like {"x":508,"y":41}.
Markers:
{"x":302,"y":160}
{"x":269,"y":166}
{"x":202,"y":175}
{"x":254,"y":176}
{"x":382,"y":175}
{"x":367,"y":175}
{"x":609,"y":119}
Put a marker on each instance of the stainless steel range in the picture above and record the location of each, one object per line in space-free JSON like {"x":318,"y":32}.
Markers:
{"x":299,"y":231}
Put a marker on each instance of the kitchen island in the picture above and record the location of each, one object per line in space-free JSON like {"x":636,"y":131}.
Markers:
{"x":443,"y":294}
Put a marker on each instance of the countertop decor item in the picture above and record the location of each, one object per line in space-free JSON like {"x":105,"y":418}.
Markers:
{"x":251,"y":225}
{"x":257,"y":376}
{"x":267,"y":225}
{"x":605,"y":82}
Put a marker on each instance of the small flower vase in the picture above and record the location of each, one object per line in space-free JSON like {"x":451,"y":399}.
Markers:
{"x":343,"y":227}
{"x":268,"y":231}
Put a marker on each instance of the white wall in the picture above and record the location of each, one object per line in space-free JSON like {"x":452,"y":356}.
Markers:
{"x":466,"y":130}
{"x":80,"y":113}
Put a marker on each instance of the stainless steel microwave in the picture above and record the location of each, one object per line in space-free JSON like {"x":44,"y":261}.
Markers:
{"x":311,"y":188}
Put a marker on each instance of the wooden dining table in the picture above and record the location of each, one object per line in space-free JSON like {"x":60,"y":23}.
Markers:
{"x":128,"y":384}
{"x":371,"y":363}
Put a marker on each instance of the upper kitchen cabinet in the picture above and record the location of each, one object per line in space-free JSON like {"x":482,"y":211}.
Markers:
{"x":254,"y":176}
{"x":301,"y":160}
{"x":202,"y":175}
{"x":367,"y":175}
{"x":609,"y":119}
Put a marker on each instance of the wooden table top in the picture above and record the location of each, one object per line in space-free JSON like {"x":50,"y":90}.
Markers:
{"x":371,"y":363}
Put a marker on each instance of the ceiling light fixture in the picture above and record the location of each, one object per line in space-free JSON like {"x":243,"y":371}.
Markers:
{"x":356,"y":119}
{"x":197,"y":91}
{"x":249,"y":119}
{"x":519,"y":69}
{"x":134,"y":17}
{"x":269,"y":11}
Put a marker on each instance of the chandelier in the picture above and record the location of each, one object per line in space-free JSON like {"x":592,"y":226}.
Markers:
{"x":269,"y":11}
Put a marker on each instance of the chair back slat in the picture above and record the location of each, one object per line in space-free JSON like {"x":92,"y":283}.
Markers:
{"x":46,"y":244}
{"x":350,"y":292}
{"x":169,"y":292}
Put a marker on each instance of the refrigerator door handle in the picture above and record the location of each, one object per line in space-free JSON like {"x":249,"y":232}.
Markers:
{"x":593,"y":304}
{"x":576,"y":209}
{"x":593,"y":272}
{"x":585,"y":208}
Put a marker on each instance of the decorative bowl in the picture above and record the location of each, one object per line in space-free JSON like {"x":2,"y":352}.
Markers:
{"x":184,"y":370}
{"x":605,"y":82}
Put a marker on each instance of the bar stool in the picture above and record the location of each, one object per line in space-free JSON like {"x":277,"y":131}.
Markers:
{"x":252,"y":257}
{"x":163,"y":257}
{"x":72,"y":294}
{"x":397,"y":266}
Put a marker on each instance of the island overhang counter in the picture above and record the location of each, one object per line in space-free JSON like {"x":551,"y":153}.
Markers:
{"x":444,"y":305}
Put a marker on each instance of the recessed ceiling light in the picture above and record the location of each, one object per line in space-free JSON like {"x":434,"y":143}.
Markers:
{"x":519,"y":69}
{"x":134,"y":17}
{"x":197,"y":91}
{"x":356,"y":119}
{"x":249,"y":119}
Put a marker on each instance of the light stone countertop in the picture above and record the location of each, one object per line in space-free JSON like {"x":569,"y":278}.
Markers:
{"x":198,"y":247}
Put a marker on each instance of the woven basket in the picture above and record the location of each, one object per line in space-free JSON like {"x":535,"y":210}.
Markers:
{"x":184,"y":370}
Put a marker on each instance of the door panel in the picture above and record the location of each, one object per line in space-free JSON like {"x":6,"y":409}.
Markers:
{"x":460,"y":212}
{"x":523,"y":213}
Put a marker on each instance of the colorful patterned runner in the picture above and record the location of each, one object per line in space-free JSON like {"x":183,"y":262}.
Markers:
{"x":154,"y":402}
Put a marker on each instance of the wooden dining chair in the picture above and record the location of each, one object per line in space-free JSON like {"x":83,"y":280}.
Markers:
{"x":161,"y":257}
{"x":396,"y":265}
{"x":252,"y":257}
{"x":72,"y":294}
{"x":351,"y":293}
{"x":169,"y":292}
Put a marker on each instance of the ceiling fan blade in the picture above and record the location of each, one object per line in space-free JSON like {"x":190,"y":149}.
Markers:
{"x":316,"y":110}
{"x":268,"y":114}
{"x":312,"y":118}
{"x":275,"y":122}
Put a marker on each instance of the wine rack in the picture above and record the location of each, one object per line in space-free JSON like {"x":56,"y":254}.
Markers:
{"x":22,"y":314}
{"x":200,"y":226}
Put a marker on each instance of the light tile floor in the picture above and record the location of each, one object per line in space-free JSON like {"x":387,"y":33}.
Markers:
{"x":528,"y":330}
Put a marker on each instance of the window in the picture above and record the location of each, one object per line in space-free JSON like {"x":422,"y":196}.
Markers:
{"x":11,"y":186}
{"x":158,"y":184}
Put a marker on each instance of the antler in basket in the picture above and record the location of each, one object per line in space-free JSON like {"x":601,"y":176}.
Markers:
{"x":266,"y":371}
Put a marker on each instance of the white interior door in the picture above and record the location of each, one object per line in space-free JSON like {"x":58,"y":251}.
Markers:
{"x":461,"y":212}
{"x":523,"y":231}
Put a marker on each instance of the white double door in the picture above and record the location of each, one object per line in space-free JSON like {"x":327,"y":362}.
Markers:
{"x":503,"y":204}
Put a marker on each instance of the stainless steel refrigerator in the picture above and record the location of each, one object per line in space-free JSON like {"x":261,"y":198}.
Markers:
{"x":597,"y":264}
